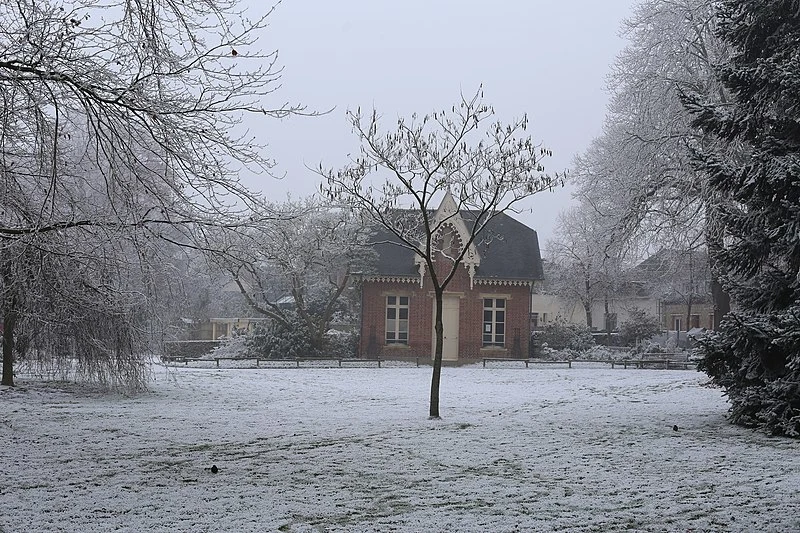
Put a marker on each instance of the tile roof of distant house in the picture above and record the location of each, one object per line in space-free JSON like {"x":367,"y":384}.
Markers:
{"x":510,"y":251}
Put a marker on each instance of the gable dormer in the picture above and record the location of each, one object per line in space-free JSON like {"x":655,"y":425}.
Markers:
{"x":450,"y":235}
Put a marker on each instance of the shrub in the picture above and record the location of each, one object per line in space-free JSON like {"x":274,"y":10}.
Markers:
{"x":341,"y":344}
{"x":236,"y":347}
{"x":639,"y":327}
{"x":756,"y":358}
{"x":561,"y":335}
{"x":278,"y":340}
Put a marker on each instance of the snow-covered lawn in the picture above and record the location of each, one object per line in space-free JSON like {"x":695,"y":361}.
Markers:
{"x":581,"y":449}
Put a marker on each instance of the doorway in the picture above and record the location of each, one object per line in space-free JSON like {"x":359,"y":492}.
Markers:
{"x":450,"y":321}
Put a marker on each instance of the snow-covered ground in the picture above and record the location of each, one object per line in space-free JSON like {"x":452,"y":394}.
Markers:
{"x":581,"y":449}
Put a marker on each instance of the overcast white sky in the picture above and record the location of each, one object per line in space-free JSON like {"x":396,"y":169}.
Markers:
{"x":546,"y":58}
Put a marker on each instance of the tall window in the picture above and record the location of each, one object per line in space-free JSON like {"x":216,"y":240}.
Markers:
{"x":397,"y":320}
{"x":611,"y":321}
{"x":494,"y":322}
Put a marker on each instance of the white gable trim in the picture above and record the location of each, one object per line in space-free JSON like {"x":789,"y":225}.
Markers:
{"x":447,"y":215}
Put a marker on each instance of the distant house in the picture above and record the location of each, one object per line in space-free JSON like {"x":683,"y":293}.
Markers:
{"x":547,"y":308}
{"x":671,"y":286}
{"x":486,"y":306}
{"x":213,"y":329}
{"x":681,"y":282}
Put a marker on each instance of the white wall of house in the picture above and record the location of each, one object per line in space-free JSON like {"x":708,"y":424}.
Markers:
{"x":226,"y":327}
{"x":549,"y":308}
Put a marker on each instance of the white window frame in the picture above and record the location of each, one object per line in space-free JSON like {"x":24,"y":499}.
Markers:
{"x":396,"y":326}
{"x":492,"y":338}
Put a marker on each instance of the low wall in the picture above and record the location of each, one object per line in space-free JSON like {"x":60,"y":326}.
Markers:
{"x":190,"y":349}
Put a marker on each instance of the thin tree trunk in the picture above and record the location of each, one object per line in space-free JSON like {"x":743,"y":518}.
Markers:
{"x":688,"y":315}
{"x":587,"y":305}
{"x":437,"y":356}
{"x":9,"y":325}
{"x":719,"y":296}
{"x":721,"y":299}
{"x":608,"y":323}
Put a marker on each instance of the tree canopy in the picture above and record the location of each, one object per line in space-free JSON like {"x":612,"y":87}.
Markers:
{"x":119,"y":125}
{"x":754,"y":168}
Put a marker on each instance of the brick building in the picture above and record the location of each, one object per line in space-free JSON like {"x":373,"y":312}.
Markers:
{"x":486,"y":306}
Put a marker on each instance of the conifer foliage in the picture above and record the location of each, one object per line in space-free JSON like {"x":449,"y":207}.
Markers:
{"x":751,"y":154}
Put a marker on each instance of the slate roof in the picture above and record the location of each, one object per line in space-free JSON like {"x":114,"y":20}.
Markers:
{"x":509,"y":251}
{"x":664,"y":271}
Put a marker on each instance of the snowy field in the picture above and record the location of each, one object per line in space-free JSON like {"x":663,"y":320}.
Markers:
{"x":543,"y":449}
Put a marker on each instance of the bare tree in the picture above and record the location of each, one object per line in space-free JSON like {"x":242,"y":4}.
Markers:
{"x":640,"y":168}
{"x":590,"y":259}
{"x":308,"y":251}
{"x":78,"y":308}
{"x":483,"y":168}
{"x":121,"y":120}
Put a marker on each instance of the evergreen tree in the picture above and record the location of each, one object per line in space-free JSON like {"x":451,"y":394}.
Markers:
{"x":751,"y":155}
{"x":640,"y":326}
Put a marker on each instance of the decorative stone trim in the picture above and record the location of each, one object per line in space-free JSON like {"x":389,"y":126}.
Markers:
{"x":494,"y":295}
{"x":447,"y":215}
{"x":494,"y":349}
{"x":509,"y":282}
{"x":397,"y":346}
{"x":460,"y":294}
{"x":391,"y":279}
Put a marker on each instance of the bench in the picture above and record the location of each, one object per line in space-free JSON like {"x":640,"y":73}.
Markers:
{"x":642,"y":363}
{"x":180,"y":359}
{"x":526,"y":361}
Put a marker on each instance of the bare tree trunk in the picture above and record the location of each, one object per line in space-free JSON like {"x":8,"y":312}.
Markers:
{"x":608,"y":323}
{"x":719,"y":296}
{"x":721,"y":299}
{"x":9,"y":325}
{"x":437,"y":356}
{"x":587,"y":304}
{"x":688,"y":316}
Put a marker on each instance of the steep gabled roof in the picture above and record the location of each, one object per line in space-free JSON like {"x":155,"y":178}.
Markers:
{"x":673,"y":275}
{"x":508,"y":249}
{"x":670,"y":263}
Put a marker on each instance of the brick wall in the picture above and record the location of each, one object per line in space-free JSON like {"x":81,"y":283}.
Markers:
{"x":421,"y":299}
{"x":705,"y":312}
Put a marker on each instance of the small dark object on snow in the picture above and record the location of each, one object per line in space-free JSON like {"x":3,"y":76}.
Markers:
{"x":674,"y":428}
{"x":214,"y":469}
